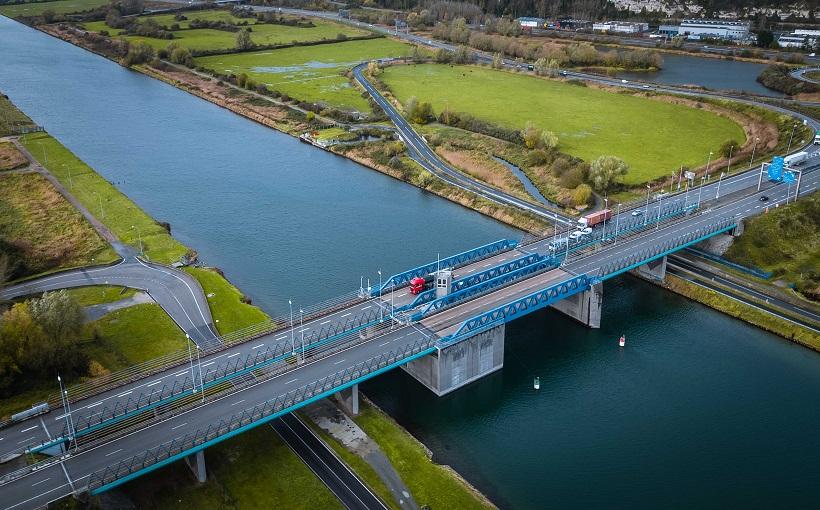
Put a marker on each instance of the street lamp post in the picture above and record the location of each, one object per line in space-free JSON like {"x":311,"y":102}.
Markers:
{"x":381,"y":310}
{"x":754,"y":147}
{"x":791,"y":136}
{"x":191,"y":359}
{"x":708,"y":162}
{"x":729,"y":161}
{"x":139,"y":236}
{"x":646,"y":212}
{"x":717,"y":194}
{"x":603,"y":232}
{"x":617,"y":220}
{"x":69,"y":425}
{"x":686,"y":196}
{"x":680,"y":177}
{"x":302,"y":331}
{"x":201,"y":380}
{"x":700,"y":192}
{"x":292,"y":338}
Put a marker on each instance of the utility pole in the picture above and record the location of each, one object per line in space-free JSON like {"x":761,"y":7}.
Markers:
{"x":292,"y":338}
{"x":302,"y":331}
{"x":794,"y":126}
{"x":381,"y":310}
{"x":191,"y":359}
{"x":617,"y":220}
{"x":646,"y":212}
{"x":754,"y":147}
{"x":708,"y":162}
{"x":717,"y":195}
{"x":606,"y":206}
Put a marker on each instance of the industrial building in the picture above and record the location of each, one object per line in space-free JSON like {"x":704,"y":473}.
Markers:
{"x":620,"y":27}
{"x":714,"y":29}
{"x":799,"y":39}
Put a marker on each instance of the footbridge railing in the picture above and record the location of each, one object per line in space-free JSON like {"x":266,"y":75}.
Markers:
{"x":453,"y":261}
{"x":259,"y":414}
{"x":518,"y":308}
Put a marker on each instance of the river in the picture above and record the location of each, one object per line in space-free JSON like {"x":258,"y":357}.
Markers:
{"x":712,"y":73}
{"x":699,"y":410}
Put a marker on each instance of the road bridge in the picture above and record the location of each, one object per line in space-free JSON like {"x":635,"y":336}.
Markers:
{"x":151,"y":416}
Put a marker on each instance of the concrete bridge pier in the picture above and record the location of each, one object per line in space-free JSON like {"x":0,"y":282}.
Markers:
{"x":458,"y":365}
{"x":585,"y":307}
{"x":653,"y":270}
{"x":349,"y":400}
{"x":196,"y":462}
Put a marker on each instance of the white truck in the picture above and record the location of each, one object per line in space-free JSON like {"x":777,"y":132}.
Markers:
{"x":795,"y":159}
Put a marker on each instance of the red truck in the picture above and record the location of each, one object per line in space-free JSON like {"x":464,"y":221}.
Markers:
{"x":592,"y":219}
{"x":417,"y":285}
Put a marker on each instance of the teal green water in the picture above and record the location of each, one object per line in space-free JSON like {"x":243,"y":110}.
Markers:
{"x":698,"y":411}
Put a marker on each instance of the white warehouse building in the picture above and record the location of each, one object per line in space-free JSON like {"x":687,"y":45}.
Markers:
{"x":620,"y":27}
{"x":715,"y":28}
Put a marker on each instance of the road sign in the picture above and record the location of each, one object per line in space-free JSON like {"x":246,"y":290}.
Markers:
{"x":788,"y":177}
{"x":689,"y":175}
{"x":775,"y":170}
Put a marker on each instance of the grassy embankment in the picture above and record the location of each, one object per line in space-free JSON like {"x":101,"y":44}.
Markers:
{"x":99,"y":294}
{"x":253,"y":470}
{"x":309,"y":73}
{"x":11,"y":118}
{"x":229,"y":311}
{"x":432,"y":485}
{"x":785,"y":241}
{"x":10,"y":157}
{"x":654,"y":137}
{"x":209,"y":39}
{"x":59,"y":7}
{"x":41,"y":231}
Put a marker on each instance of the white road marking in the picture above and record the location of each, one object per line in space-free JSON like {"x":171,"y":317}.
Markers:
{"x":209,"y":364}
{"x":179,"y":426}
{"x":180,"y":374}
{"x":238,"y":402}
{"x":257,"y":346}
{"x":366,"y":307}
{"x":94,"y":404}
{"x":345,"y":315}
{"x":41,"y":481}
{"x":340,"y":361}
{"x":382,"y":345}
{"x":292,"y":381}
{"x":128,"y":392}
{"x":30,"y":428}
{"x":112,"y":453}
{"x":235,"y":354}
{"x":154,"y":383}
{"x":323,"y":323}
{"x":26,"y":440}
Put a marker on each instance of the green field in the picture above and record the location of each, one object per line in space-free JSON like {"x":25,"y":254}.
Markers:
{"x":224,"y":300}
{"x":59,"y":7}
{"x":652,"y":136}
{"x":309,"y":73}
{"x":119,"y":213}
{"x":212,"y":39}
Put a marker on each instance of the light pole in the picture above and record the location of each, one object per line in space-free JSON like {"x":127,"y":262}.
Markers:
{"x":788,"y":190}
{"x":381,"y":310}
{"x":102,"y":214}
{"x":708,"y":162}
{"x":717,"y":195}
{"x":680,"y":176}
{"x":646,"y":212}
{"x":201,"y":380}
{"x":686,"y":196}
{"x":660,"y":204}
{"x":191,"y":358}
{"x":729,"y":162}
{"x":617,"y":220}
{"x":70,"y":421}
{"x":302,"y":331}
{"x":791,"y":136}
{"x":139,"y":236}
{"x":700,"y":193}
{"x":606,"y":206}
{"x":754,"y":147}
{"x":66,"y":411}
{"x":292,"y":338}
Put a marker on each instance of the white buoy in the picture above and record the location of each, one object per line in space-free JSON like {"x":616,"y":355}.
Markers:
{"x":622,"y":341}
{"x":536,"y":383}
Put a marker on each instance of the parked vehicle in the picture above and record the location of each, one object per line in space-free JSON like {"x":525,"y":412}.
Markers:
{"x":817,"y":138}
{"x":576,"y":235}
{"x":557,"y":244}
{"x":592,"y":219}
{"x":795,"y":159}
{"x":637,"y":212}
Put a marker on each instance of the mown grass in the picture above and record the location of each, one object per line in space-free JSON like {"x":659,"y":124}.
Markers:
{"x":59,"y":7}
{"x":252,"y":470}
{"x":431,"y":484}
{"x":654,"y":137}
{"x":11,"y":118}
{"x":356,"y":463}
{"x":225,"y":301}
{"x":120,"y":213}
{"x":785,"y":241}
{"x":262,"y":34}
{"x":309,"y":73}
{"x":42,"y":231}
{"x":99,"y":294}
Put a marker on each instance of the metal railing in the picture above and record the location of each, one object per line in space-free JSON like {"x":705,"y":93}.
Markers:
{"x":256,"y":415}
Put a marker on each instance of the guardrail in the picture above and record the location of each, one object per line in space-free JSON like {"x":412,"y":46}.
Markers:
{"x":164,"y":453}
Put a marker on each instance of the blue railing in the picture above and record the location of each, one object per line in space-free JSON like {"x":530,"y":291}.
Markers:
{"x":453,"y":261}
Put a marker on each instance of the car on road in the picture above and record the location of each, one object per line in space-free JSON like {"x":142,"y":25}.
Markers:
{"x":624,"y":81}
{"x":637,"y":212}
{"x":576,"y":235}
{"x":557,"y":243}
{"x":645,"y":86}
{"x":764,"y":198}
{"x":562,"y":73}
{"x":585,"y":231}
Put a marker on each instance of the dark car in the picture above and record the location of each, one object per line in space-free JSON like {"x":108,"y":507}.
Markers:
{"x":764,"y":198}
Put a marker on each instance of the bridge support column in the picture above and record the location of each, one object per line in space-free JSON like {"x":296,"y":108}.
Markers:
{"x":460,"y":364}
{"x":349,"y":400}
{"x":196,"y":462}
{"x":585,"y":307}
{"x":654,"y":270}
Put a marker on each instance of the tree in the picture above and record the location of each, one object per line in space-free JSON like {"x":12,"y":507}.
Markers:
{"x":23,"y":341}
{"x":549,"y":140}
{"x":416,"y":55}
{"x":581,"y":195}
{"x":462,"y":55}
{"x":604,"y":172}
{"x":138,"y":53}
{"x":498,"y":61}
{"x":419,"y":113}
{"x":48,"y":15}
{"x":243,"y":40}
{"x":765,"y":38}
{"x":373,"y":68}
{"x":531,"y":135}
{"x":442,"y":56}
{"x":182,"y":56}
{"x":728,"y":148}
